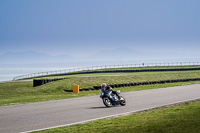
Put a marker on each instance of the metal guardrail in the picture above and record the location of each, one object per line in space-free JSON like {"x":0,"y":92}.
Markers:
{"x":105,"y":67}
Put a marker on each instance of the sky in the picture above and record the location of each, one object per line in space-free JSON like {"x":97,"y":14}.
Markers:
{"x":84,"y":27}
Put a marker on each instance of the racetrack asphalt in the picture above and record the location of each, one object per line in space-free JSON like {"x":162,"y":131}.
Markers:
{"x":44,"y":115}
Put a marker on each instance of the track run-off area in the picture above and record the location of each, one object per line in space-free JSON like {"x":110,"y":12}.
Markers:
{"x":45,"y":115}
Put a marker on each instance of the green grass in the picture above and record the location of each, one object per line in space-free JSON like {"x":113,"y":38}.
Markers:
{"x":86,"y":82}
{"x":21,"y":94}
{"x":178,"y":119}
{"x":24,"y":92}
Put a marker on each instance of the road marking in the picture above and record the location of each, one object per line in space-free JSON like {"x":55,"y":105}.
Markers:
{"x":111,"y":116}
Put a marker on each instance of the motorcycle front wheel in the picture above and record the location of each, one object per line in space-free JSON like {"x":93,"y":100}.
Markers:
{"x":107,"y":102}
{"x":122,"y":101}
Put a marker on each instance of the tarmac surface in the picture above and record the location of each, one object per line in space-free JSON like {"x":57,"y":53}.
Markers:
{"x":52,"y":114}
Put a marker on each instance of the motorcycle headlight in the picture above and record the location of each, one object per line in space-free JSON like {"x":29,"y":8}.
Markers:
{"x":118,"y":91}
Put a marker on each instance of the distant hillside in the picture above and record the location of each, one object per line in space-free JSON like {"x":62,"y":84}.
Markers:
{"x":32,"y":57}
{"x":120,"y":54}
{"x":129,"y":54}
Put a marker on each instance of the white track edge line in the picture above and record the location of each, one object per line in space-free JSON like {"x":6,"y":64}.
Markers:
{"x":110,"y":116}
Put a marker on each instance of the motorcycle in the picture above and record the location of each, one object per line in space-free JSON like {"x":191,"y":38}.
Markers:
{"x":112,"y":98}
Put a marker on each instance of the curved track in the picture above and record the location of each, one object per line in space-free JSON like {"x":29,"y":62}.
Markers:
{"x":44,"y":115}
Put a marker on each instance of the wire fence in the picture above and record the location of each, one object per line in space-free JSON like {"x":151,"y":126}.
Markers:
{"x":105,"y":67}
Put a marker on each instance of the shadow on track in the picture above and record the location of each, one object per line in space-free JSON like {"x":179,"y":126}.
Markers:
{"x":102,"y":107}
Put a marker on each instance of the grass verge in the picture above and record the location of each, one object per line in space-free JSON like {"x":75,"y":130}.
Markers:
{"x":177,"y":119}
{"x":22,"y":95}
{"x":24,"y":92}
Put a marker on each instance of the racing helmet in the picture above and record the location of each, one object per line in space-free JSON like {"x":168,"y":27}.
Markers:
{"x":103,"y":85}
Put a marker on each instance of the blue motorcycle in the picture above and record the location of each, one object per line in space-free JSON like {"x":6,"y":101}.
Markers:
{"x":112,"y":98}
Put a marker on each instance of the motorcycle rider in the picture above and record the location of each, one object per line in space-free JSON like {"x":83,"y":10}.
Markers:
{"x":105,"y":89}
